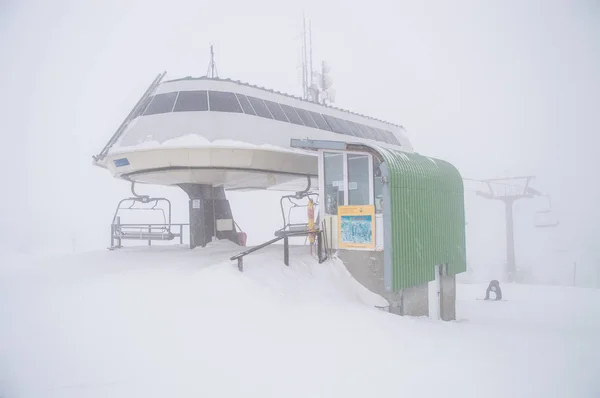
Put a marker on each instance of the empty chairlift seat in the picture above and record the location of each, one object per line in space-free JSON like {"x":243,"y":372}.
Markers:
{"x":152,"y":231}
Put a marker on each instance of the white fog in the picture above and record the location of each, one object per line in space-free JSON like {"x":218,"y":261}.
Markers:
{"x":497,"y":89}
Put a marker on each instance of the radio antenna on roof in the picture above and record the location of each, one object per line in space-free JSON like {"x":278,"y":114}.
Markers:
{"x":316,"y":86}
{"x":212,"y":66}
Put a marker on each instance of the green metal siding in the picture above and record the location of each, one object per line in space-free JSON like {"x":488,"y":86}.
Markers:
{"x":428,"y":217}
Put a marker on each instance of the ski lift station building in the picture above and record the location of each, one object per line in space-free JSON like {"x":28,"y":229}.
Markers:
{"x":395,"y":217}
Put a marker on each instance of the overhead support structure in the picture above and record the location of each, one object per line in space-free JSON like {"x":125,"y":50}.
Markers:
{"x":510,"y":194}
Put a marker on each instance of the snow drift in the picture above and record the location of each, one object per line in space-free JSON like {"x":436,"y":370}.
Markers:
{"x":166,"y":321}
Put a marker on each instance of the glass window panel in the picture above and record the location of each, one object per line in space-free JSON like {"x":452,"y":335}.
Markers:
{"x":291,"y":114}
{"x":354,"y":130}
{"x":260,"y":108}
{"x":320,"y":121}
{"x":375,"y":134}
{"x":220,"y":101}
{"x":395,"y":139}
{"x":162,"y":103}
{"x":337,"y":125}
{"x":142,"y":107}
{"x":306,"y":117}
{"x":366,"y":132}
{"x":190,"y":101}
{"x":246,"y":107}
{"x":333,"y":124}
{"x":344,"y":125}
{"x":387,"y":136}
{"x":276,"y":111}
{"x":358,"y":179}
{"x":333,"y":163}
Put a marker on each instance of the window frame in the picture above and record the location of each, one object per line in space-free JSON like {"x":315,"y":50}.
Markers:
{"x":251,"y":98}
{"x":321,"y":171}
{"x":238,"y":96}
{"x":354,"y":129}
{"x":377,"y":136}
{"x":310,"y":118}
{"x":371,"y":170}
{"x":321,"y":121}
{"x":146,"y":101}
{"x":336,"y":126}
{"x":291,"y":112}
{"x":216,"y":94}
{"x":395,"y":139}
{"x":277,"y":106}
{"x":157,"y":95}
{"x":366,"y":132}
{"x":325,"y":124}
{"x":187,"y":93}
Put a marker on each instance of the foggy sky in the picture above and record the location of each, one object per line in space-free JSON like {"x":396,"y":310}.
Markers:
{"x":497,"y":88}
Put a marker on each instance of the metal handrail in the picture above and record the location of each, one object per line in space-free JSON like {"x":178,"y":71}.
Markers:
{"x":286,"y":247}
{"x":255,"y":248}
{"x":154,"y":225}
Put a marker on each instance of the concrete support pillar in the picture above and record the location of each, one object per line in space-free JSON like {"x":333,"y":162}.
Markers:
{"x":210,"y":215}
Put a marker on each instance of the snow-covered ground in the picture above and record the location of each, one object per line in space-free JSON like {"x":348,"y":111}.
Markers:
{"x":170,"y":322}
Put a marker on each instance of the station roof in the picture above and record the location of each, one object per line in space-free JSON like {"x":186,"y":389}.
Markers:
{"x":284,"y":94}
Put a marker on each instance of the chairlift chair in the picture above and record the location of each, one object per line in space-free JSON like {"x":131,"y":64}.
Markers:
{"x":149,"y":231}
{"x":546,"y":218}
{"x":292,"y":202}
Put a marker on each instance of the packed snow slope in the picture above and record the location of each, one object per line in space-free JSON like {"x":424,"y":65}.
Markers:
{"x":170,"y":322}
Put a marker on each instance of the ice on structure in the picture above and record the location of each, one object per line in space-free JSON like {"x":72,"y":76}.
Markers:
{"x":197,"y":141}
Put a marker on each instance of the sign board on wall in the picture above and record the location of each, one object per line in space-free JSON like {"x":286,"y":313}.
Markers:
{"x":356,"y":226}
{"x":196,"y":204}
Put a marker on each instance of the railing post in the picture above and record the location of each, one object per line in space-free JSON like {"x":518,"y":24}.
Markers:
{"x":241,"y":264}
{"x":112,"y":236}
{"x":119,"y":237}
{"x":286,"y":251}
{"x":149,"y":231}
{"x":320,"y":246}
{"x":181,"y":234}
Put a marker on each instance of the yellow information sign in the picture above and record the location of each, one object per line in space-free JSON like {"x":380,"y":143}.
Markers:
{"x":356,"y":227}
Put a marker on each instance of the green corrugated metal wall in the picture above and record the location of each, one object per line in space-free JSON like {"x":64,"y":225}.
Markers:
{"x":428,"y":217}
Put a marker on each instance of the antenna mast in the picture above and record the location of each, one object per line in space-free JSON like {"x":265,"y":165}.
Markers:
{"x":310,"y":58}
{"x":305,"y":87}
{"x":316,"y":86}
{"x":212,"y":66}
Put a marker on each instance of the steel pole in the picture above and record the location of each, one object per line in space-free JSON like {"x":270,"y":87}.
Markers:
{"x":511,"y":266}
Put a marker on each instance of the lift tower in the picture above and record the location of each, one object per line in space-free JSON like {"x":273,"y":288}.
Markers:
{"x":505,"y":190}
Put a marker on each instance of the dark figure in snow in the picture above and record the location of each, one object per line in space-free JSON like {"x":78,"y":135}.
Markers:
{"x":494,"y":286}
